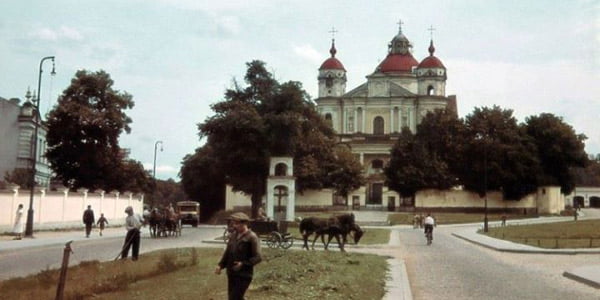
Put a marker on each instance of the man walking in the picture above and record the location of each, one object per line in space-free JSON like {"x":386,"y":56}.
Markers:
{"x":132,"y":239}
{"x":240,"y":256}
{"x":88,"y":220}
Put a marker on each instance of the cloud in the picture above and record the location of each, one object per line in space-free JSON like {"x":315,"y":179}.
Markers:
{"x":309,"y":53}
{"x":227,"y":25}
{"x":62,"y":33}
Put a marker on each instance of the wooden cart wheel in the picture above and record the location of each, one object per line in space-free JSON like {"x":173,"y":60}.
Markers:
{"x":287,"y":241}
{"x":274,"y":239}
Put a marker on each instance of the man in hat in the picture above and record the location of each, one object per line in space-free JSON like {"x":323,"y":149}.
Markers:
{"x":240,"y":256}
{"x":132,"y":239}
{"x":88,"y":220}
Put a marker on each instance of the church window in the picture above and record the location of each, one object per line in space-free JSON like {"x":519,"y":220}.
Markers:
{"x":329,"y":81}
{"x":328,"y":119}
{"x":430,"y":90}
{"x":281,"y":169}
{"x":350,"y":124}
{"x":378,"y":125}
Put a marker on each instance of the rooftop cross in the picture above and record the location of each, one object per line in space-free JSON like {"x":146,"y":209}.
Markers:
{"x":431,"y":29}
{"x":333,"y":32}
{"x":400,"y":25}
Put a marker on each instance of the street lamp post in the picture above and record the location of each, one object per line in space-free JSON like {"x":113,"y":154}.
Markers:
{"x":36,"y":119}
{"x":154,"y":165}
{"x":485,"y":209}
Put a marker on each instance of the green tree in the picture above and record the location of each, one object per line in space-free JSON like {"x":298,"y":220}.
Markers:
{"x":590,"y":175}
{"x":83,"y":133}
{"x":413,"y":167}
{"x":498,"y":154}
{"x":267,"y":119}
{"x":203,"y":180}
{"x":560,"y":149}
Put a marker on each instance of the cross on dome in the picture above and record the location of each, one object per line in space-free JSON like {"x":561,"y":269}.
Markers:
{"x":333,"y":32}
{"x":400,"y":25}
{"x":431,"y":29}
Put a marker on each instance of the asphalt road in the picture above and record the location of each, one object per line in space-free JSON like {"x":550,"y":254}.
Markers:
{"x":25,"y":261}
{"x":454,"y":269}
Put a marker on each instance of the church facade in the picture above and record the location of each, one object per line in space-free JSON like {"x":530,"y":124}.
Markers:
{"x":369,"y":118}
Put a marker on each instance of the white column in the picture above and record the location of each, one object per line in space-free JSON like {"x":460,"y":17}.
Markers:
{"x":270,"y":200}
{"x":356,"y":120}
{"x":391,"y":120}
{"x":364,"y":120}
{"x":362,"y":158}
{"x":291,"y":204}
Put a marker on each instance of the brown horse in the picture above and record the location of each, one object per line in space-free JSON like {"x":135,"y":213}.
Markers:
{"x":335,"y":227}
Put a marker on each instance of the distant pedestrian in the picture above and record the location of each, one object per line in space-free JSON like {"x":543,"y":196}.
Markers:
{"x":416,"y":221}
{"x":240,"y":256}
{"x":421,"y":220}
{"x":88,"y":220}
{"x":575,"y":213}
{"x":102,"y":221}
{"x":503,"y":219}
{"x":18,"y":227}
{"x":132,"y":239}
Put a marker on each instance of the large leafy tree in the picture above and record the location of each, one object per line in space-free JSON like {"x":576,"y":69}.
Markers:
{"x":83,"y":134}
{"x":498,"y":154}
{"x":266,"y":119}
{"x":560,"y":149}
{"x":413,"y":167}
{"x":203,"y":180}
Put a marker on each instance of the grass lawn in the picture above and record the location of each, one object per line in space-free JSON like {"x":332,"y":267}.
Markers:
{"x":571,"y":234}
{"x":188,"y":274}
{"x":449,"y":218}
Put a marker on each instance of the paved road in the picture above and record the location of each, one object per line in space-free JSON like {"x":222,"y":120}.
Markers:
{"x":29,"y":260}
{"x":454,"y":269}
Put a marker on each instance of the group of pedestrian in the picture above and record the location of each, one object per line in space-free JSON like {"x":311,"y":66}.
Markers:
{"x":89,"y":220}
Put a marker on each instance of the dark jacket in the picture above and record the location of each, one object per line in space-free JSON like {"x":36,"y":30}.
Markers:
{"x":88,"y":216}
{"x":244,"y":248}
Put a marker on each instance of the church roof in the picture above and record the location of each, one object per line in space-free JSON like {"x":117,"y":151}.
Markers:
{"x":360,"y":91}
{"x":431,"y":61}
{"x":363,"y":91}
{"x":332,"y":63}
{"x":398,"y":91}
{"x":397,"y":63}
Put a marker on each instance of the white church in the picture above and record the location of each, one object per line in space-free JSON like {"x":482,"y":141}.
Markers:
{"x":368,"y":119}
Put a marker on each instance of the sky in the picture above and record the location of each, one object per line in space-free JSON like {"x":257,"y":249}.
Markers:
{"x":178,"y":57}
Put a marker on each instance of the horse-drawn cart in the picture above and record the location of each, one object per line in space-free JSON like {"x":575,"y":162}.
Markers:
{"x":272,"y":232}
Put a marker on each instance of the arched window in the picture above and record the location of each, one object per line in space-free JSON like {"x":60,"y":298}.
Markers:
{"x":280,"y":169}
{"x":329,"y":81}
{"x":378,"y":125}
{"x":430,"y":90}
{"x":328,"y":119}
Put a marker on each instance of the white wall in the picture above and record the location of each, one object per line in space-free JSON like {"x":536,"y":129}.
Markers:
{"x":58,"y":209}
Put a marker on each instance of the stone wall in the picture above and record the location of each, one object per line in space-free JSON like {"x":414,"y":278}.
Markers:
{"x":64,"y":208}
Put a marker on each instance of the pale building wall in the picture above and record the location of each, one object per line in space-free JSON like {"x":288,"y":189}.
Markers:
{"x":461,"y":198}
{"x":57,"y":208}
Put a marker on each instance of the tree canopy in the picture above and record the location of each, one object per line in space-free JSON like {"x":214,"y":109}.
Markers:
{"x":267,"y":118}
{"x":488,"y":150}
{"x":83,"y":136}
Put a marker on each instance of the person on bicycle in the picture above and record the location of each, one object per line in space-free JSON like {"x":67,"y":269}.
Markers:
{"x":429,"y":223}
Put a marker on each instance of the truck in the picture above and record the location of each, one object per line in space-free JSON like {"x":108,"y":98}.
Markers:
{"x":189,"y":212}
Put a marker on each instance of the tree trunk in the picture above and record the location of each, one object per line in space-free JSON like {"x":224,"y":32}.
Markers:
{"x":256,"y":202}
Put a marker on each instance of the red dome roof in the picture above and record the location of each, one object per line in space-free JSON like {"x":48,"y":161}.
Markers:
{"x":398,"y":63}
{"x":332,"y":63}
{"x":431,"y":62}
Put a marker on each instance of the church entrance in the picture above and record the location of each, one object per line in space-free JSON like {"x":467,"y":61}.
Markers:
{"x":375,"y":193}
{"x":594,"y":201}
{"x":281,"y":194}
{"x":578,"y":202}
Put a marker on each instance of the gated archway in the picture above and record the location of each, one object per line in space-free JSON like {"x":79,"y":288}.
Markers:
{"x":595,"y":201}
{"x":578,"y":201}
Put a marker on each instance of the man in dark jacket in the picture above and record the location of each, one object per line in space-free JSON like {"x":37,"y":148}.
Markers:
{"x":240,"y":256}
{"x":88,"y":220}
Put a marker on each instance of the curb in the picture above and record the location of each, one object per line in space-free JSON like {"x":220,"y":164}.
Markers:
{"x":581,"y":279}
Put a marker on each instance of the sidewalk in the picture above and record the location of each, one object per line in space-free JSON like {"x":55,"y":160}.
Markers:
{"x":589,"y":275}
{"x":46,"y":238}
